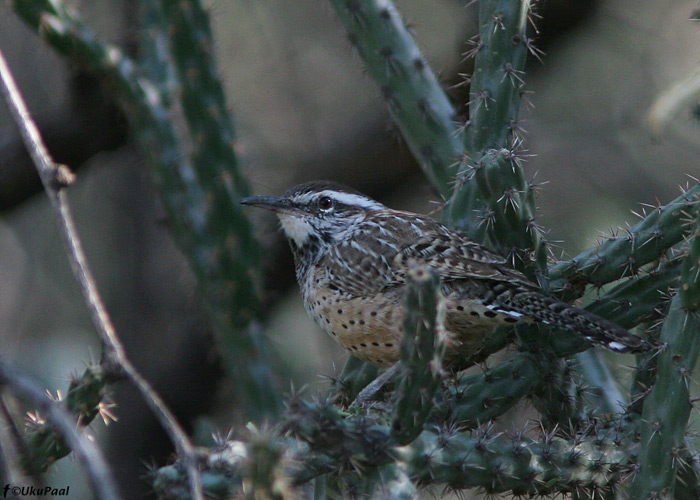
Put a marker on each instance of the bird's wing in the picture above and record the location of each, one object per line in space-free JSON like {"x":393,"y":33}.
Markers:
{"x":453,"y":256}
{"x":387,"y":245}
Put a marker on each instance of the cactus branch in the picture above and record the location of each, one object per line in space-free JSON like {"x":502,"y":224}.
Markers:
{"x":622,"y":256}
{"x":495,"y":86}
{"x":413,"y":94}
{"x":492,"y":202}
{"x":500,"y":463}
{"x":422,"y":348}
{"x":155,"y":51}
{"x":667,"y":406}
{"x":494,"y":206}
{"x":475,"y":399}
{"x":639,"y":298}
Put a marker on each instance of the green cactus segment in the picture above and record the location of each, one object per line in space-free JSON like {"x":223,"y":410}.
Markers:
{"x":500,"y":463}
{"x":85,"y":393}
{"x":494,"y":204}
{"x":667,"y":406}
{"x":603,"y":391}
{"x":222,"y":251}
{"x":422,"y":349}
{"x":640,"y":298}
{"x":221,"y":475}
{"x":232,"y":271}
{"x":475,"y":399}
{"x":559,"y":395}
{"x":213,"y":134}
{"x":258,"y":468}
{"x":329,"y":432}
{"x":495,"y":342}
{"x":414,"y":96}
{"x":496,"y":84}
{"x":83,"y":400}
{"x":690,"y":272}
{"x":155,"y":50}
{"x":622,"y":256}
{"x":493,"y":109}
{"x":644,"y":378}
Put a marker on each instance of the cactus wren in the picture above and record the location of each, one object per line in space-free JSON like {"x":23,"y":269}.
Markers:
{"x":352,"y":255}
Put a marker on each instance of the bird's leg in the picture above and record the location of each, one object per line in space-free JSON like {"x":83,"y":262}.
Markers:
{"x":367,"y":394}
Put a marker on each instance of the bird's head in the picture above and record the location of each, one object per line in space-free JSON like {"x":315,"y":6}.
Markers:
{"x":317,"y":214}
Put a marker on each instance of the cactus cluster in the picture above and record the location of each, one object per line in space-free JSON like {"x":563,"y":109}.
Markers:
{"x":591,"y":440}
{"x":84,"y":400}
{"x":358,"y":449}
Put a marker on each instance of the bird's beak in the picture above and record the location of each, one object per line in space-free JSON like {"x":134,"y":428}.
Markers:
{"x":274,"y":203}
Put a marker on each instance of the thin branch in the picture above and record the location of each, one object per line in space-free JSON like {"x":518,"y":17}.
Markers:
{"x":87,"y":452}
{"x":55,"y":177}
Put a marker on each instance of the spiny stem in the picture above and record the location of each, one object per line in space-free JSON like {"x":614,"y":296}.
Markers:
{"x":667,"y":407}
{"x":422,"y":348}
{"x":492,"y":202}
{"x":416,"y":100}
{"x":622,"y":256}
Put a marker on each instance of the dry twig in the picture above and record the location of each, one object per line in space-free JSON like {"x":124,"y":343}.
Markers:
{"x":55,"y":178}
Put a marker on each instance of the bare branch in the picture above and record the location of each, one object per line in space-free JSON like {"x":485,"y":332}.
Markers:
{"x":55,"y":177}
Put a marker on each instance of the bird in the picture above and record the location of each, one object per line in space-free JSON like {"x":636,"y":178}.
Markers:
{"x":353,"y":256}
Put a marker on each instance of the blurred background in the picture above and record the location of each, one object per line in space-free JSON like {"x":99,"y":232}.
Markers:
{"x":304,"y":110}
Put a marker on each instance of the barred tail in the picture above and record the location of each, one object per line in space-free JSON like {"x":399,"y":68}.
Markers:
{"x":561,"y":315}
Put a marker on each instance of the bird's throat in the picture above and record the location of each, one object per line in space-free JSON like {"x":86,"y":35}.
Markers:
{"x":296,"y":229}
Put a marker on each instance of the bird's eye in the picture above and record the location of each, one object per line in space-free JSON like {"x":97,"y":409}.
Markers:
{"x":325,"y":203}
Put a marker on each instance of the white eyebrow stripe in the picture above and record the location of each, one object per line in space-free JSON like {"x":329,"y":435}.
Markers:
{"x":353,"y":199}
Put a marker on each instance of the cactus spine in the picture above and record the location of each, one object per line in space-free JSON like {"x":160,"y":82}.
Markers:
{"x":84,"y":400}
